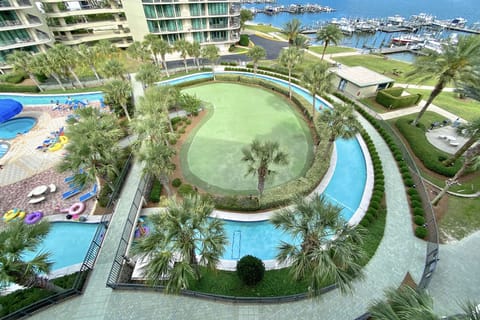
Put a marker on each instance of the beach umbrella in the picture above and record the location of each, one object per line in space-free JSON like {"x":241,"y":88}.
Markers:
{"x":9,"y":108}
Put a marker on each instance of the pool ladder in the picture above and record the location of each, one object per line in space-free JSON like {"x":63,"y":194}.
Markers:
{"x":236,"y":244}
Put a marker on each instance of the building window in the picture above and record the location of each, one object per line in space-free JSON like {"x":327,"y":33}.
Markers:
{"x":199,"y":24}
{"x":217,"y":23}
{"x":13,"y":36}
{"x":217,"y":8}
{"x":200,"y":36}
{"x":197,"y":9}
{"x":218,"y":36}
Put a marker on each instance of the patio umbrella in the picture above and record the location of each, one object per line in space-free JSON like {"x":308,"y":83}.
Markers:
{"x":9,"y":108}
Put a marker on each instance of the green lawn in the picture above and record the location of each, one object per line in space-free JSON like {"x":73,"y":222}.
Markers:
{"x":262,"y":28}
{"x":467,"y":109}
{"x":461,"y":218}
{"x":212,"y":156}
{"x":331,"y":49}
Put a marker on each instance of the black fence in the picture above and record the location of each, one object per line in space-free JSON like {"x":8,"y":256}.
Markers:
{"x":88,"y":262}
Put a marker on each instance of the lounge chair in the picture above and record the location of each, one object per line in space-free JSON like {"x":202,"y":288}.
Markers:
{"x":89,"y":195}
{"x":72,"y":177}
{"x":70,"y":193}
{"x":52,"y":188}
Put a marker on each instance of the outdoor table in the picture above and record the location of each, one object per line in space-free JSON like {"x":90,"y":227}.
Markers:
{"x":39,"y":190}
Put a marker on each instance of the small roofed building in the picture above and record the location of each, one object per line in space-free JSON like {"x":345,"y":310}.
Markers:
{"x":359,"y":82}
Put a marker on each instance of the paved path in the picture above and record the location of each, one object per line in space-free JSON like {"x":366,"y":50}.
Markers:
{"x":406,"y":111}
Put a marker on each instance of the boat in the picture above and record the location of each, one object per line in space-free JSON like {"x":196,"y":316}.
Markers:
{"x":458,"y":22}
{"x":396,"y":20}
{"x":407,"y":39}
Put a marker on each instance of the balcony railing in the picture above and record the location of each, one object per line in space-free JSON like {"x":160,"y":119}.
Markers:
{"x":10,"y":23}
{"x":5,"y":4}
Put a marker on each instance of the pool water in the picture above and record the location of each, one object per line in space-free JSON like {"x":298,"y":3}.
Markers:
{"x":67,"y":242}
{"x":11,"y":128}
{"x":3,"y":149}
{"x":39,"y":99}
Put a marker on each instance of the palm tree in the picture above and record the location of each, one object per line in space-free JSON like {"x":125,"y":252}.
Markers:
{"x":290,"y":58}
{"x":339,"y":122}
{"x":260,"y":157}
{"x":190,"y":103}
{"x":330,"y":249}
{"x":89,"y":57}
{"x":256,"y":54}
{"x":404,"y":303}
{"x":148,"y":74}
{"x":470,"y":130}
{"x":329,"y":34}
{"x":195,"y":51}
{"x":210,"y":52}
{"x":93,"y":146}
{"x":150,"y":41}
{"x":17,"y":238}
{"x":138,"y":51}
{"x":44,"y":63}
{"x":183,"y":238}
{"x":470,"y":86}
{"x":65,"y":57}
{"x":301,"y":42}
{"x":471,"y":161}
{"x":318,"y":80}
{"x":245,"y":15}
{"x":118,"y":93}
{"x":183,"y":47}
{"x":451,"y":65}
{"x":292,"y":29}
{"x":163,"y":49}
{"x":21,"y":60}
{"x":114,"y":69}
{"x":106,"y":50}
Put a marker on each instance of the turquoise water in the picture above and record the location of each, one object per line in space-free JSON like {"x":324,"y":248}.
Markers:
{"x":3,"y":149}
{"x":48,"y":98}
{"x":67,"y":242}
{"x":345,"y":189}
{"x":11,"y":128}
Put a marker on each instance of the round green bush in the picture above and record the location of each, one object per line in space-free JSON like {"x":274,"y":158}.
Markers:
{"x":185,"y":189}
{"x":421,"y":232}
{"x":176,"y":182}
{"x":412,"y":191}
{"x":418,"y":212}
{"x":244,"y":41}
{"x":409,"y":182}
{"x":250,"y":270}
{"x":415,"y":197}
{"x":416,"y":204}
{"x":419,"y":221}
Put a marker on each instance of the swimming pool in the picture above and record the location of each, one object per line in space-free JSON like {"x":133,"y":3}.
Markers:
{"x":4,"y":149}
{"x":39,"y":99}
{"x":67,"y":242}
{"x":11,"y":128}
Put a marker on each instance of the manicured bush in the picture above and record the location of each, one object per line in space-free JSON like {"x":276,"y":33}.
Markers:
{"x":250,"y":270}
{"x":185,"y":189}
{"x":156,"y":191}
{"x":421,"y":232}
{"x":244,"y":40}
{"x":419,"y":220}
{"x":176,"y":182}
{"x":393,"y":99}
{"x":5,"y":87}
{"x":418,"y":212}
{"x":409,"y":182}
{"x":14,"y":77}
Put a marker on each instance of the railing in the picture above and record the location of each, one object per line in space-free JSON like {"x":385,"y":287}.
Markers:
{"x":10,"y":23}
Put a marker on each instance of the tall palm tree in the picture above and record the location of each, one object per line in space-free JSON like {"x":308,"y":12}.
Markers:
{"x":256,"y":54}
{"x":106,"y":49}
{"x":44,"y":63}
{"x":451,"y":65}
{"x":210,"y":52}
{"x":183,"y":47}
{"x":245,"y":15}
{"x":470,"y":86}
{"x":329,"y":249}
{"x":22,"y":61}
{"x":190,"y":103}
{"x":138,"y":51}
{"x":150,"y":41}
{"x":195,"y":51}
{"x":290,"y":58}
{"x":329,"y":34}
{"x":471,"y":161}
{"x":89,"y":57}
{"x":148,"y":74}
{"x":17,"y":238}
{"x":163,"y":49}
{"x":118,"y":93}
{"x":114,"y":69}
{"x":318,"y":80}
{"x":301,"y":42}
{"x":66,"y":58}
{"x":183,"y":238}
{"x":93,"y":146}
{"x":292,"y":29}
{"x":339,"y":122}
{"x":260,"y":157}
{"x":470,"y":130}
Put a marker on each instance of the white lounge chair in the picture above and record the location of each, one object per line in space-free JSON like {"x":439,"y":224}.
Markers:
{"x":454,"y":144}
{"x":52,"y":188}
{"x":36,"y":200}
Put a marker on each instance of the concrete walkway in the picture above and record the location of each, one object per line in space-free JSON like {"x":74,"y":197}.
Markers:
{"x":406,"y":111}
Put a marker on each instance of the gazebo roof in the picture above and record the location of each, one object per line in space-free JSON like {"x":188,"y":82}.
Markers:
{"x":9,"y":108}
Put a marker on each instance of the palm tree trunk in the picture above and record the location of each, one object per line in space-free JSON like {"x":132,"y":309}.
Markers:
{"x":155,"y":59}
{"x":165,"y":67}
{"x":194,"y":263}
{"x":450,"y":161}
{"x":185,"y":64}
{"x":55,"y":76}
{"x":198,"y":63}
{"x":94,"y":70}
{"x":290,"y":84}
{"x":32,"y":77}
{"x":324,"y":49}
{"x":36,"y":281}
{"x":450,"y":182}
{"x":436,"y":91}
{"x":126,"y":112}
{"x":254,"y":68}
{"x":164,"y":181}
{"x":76,"y":77}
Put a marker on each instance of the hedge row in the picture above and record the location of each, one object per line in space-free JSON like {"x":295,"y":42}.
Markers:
{"x":281,"y":70}
{"x":392,"y":98}
{"x":5,"y":87}
{"x":266,"y":73}
{"x":430,"y":157}
{"x":415,"y":199}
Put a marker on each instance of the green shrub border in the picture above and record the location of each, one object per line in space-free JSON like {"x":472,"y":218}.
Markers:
{"x":392,"y":98}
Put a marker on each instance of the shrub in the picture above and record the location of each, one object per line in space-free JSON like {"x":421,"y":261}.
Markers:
{"x":392,"y":98}
{"x":421,"y":232}
{"x":104,"y":197}
{"x":156,"y":191}
{"x":185,"y":189}
{"x":250,"y":270}
{"x":5,"y":87}
{"x":419,"y":220}
{"x":418,"y":212}
{"x":14,"y":77}
{"x":176,"y":182}
{"x":244,"y":40}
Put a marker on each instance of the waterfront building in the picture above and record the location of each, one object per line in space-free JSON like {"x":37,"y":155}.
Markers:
{"x":22,"y":27}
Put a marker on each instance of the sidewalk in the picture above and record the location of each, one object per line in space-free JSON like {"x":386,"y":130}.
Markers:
{"x":406,"y":111}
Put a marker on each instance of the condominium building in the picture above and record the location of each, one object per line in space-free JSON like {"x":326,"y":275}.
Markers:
{"x":205,"y":21}
{"x":22,"y":27}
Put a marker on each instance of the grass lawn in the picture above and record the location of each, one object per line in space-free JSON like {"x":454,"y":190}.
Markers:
{"x":331,"y":49}
{"x":461,"y":218}
{"x":467,"y":109}
{"x":262,"y":28}
{"x":212,"y":156}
